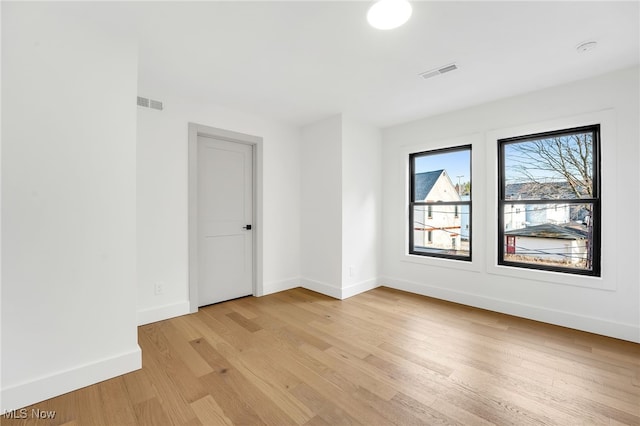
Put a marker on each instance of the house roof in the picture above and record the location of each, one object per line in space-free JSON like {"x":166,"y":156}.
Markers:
{"x":548,"y":230}
{"x":543,"y":190}
{"x":424,"y":183}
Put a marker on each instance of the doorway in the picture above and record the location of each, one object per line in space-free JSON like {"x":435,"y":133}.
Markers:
{"x":223,"y":222}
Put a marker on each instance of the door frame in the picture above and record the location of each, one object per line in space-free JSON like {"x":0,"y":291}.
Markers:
{"x":196,"y":130}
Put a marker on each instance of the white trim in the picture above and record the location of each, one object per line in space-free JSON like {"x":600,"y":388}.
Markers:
{"x":608,"y":278}
{"x":340,"y":293}
{"x":477,"y":207}
{"x":630,"y":332}
{"x":55,"y":384}
{"x":278,"y":286}
{"x":322,"y":288}
{"x":196,"y":130}
{"x":161,"y":313}
{"x":361,"y":287}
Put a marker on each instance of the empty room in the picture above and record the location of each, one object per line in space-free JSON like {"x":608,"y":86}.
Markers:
{"x":320,"y":213}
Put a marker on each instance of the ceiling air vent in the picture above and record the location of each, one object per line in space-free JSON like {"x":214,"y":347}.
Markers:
{"x":155,"y":104}
{"x":149,"y":103}
{"x":438,"y":71}
{"x":143,"y":102}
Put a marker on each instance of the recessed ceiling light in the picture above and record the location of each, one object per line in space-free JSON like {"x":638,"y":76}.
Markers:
{"x":389,"y":14}
{"x":586,"y":46}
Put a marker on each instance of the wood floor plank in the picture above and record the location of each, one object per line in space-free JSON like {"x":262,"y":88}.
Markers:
{"x":175,"y":367}
{"x":247,"y":389}
{"x":329,"y":412}
{"x":522,"y":394}
{"x":463,"y":415}
{"x":244,"y":322}
{"x":383,"y":357}
{"x":89,"y":397}
{"x":233,"y":405}
{"x":151,"y":413}
{"x":317,"y":421}
{"x":139,"y":387}
{"x":268,"y":385}
{"x":175,"y":404}
{"x":355,"y":371}
{"x":209,"y":412}
{"x":426,"y":413}
{"x":397,"y":413}
{"x":244,"y":307}
{"x":215,"y":319}
{"x":118,"y":408}
{"x":185,"y":351}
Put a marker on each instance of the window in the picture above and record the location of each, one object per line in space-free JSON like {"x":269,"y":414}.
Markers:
{"x":440,"y":203}
{"x":554,"y":178}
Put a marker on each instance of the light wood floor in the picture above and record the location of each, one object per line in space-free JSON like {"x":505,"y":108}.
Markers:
{"x":382,"y":357}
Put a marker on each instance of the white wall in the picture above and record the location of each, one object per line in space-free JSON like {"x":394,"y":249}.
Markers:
{"x":321,"y":206}
{"x":68,"y":202}
{"x":321,"y":203}
{"x":610,"y":305}
{"x":341,"y":206}
{"x":361,"y":206}
{"x":163,"y":200}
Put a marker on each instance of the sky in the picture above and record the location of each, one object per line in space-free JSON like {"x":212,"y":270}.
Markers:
{"x":456,"y":163}
{"x":536,"y":166}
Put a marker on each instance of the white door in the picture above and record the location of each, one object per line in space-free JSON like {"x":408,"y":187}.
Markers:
{"x":225,"y":213}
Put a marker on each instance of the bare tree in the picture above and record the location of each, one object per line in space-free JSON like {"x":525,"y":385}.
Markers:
{"x":565,"y":158}
{"x":556,"y":168}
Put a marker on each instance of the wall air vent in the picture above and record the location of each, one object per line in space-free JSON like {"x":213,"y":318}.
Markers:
{"x":438,"y":71}
{"x":149,"y":103}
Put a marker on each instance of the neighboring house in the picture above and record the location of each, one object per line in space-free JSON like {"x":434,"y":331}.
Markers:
{"x":548,"y":242}
{"x":521,"y":215}
{"x":437,"y":226}
{"x":515,"y":216}
{"x":465,"y":219}
{"x":548,"y":213}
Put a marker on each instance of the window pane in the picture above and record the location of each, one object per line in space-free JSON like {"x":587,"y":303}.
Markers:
{"x":443,"y":233}
{"x":442,"y":176}
{"x":550,"y":168}
{"x":553,"y":235}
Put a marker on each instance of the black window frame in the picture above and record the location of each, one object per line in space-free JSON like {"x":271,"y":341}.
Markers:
{"x":413,"y":203}
{"x":596,"y":216}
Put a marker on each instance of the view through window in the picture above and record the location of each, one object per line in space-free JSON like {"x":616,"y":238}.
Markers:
{"x":440,"y":203}
{"x":549,"y":203}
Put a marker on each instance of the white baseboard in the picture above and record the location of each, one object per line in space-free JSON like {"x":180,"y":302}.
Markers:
{"x":601,"y":326}
{"x":277,"y":286}
{"x":34,"y":391}
{"x":160,"y":313}
{"x":337,"y":292}
{"x":360,"y":287}
{"x":322,"y":288}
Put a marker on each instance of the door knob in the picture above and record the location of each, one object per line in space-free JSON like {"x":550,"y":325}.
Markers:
{"x":248,"y":227}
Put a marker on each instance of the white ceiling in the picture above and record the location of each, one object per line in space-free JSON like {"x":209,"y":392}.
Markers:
{"x":301,"y":61}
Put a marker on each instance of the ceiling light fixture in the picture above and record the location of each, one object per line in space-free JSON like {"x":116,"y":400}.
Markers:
{"x":389,"y":14}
